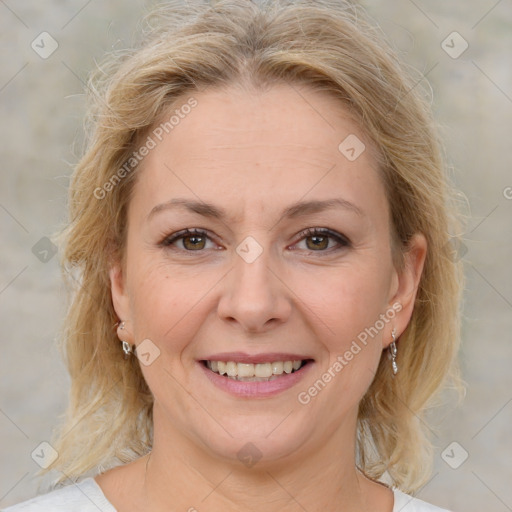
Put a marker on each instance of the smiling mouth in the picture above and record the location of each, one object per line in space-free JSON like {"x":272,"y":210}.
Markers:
{"x":259,"y":372}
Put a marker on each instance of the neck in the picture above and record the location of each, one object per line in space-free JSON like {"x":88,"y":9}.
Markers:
{"x":178,"y":475}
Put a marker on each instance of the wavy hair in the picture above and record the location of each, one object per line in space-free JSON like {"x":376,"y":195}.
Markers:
{"x":187,"y":46}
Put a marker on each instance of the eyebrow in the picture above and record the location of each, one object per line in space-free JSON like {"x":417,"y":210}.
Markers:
{"x":295,"y":210}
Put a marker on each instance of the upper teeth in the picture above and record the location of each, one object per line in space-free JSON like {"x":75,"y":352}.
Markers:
{"x":233,"y":369}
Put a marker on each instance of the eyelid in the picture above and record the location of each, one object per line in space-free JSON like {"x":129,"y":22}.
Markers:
{"x":342,"y":240}
{"x":178,"y":235}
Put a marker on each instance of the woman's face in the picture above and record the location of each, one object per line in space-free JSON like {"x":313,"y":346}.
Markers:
{"x":255,"y":174}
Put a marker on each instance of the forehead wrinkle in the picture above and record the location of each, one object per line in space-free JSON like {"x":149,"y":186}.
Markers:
{"x":322,"y":163}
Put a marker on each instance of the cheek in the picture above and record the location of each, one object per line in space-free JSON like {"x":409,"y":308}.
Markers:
{"x":346,"y":299}
{"x":347,"y":304}
{"x":166,"y":302}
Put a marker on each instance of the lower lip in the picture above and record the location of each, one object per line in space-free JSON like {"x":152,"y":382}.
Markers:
{"x":258,"y":389}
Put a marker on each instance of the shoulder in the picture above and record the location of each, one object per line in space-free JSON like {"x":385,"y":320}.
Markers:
{"x":84,"y":496}
{"x":406,"y":503}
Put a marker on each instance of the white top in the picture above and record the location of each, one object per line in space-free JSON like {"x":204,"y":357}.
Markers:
{"x":87,"y":496}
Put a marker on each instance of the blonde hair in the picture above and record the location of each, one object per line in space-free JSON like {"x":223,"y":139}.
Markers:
{"x":326,"y":45}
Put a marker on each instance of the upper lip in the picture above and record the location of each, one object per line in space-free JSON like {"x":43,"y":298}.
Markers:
{"x":267,"y":357}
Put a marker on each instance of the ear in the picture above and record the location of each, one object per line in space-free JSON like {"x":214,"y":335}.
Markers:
{"x":120,"y":299}
{"x":405,"y":284}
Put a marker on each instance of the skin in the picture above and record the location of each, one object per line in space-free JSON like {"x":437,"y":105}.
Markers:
{"x":254,"y":154}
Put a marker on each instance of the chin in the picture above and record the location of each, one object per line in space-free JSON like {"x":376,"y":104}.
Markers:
{"x":257,"y":442}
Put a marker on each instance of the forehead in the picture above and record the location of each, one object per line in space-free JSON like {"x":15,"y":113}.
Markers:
{"x":292,"y":118}
{"x":257,"y":147}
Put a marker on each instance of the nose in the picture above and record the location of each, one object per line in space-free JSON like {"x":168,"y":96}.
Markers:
{"x":254,"y":296}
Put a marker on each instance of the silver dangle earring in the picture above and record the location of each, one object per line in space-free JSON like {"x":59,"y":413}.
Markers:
{"x":392,"y":352}
{"x":127,"y":349}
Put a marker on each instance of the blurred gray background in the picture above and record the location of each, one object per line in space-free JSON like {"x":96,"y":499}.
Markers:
{"x":42,"y":107}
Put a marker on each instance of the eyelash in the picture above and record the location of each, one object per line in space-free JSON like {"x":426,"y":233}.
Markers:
{"x":342,"y":241}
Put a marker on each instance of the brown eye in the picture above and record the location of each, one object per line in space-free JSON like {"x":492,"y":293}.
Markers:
{"x":318,"y":240}
{"x":192,"y":240}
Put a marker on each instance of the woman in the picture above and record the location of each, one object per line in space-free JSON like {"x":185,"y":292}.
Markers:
{"x":268,"y":299}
